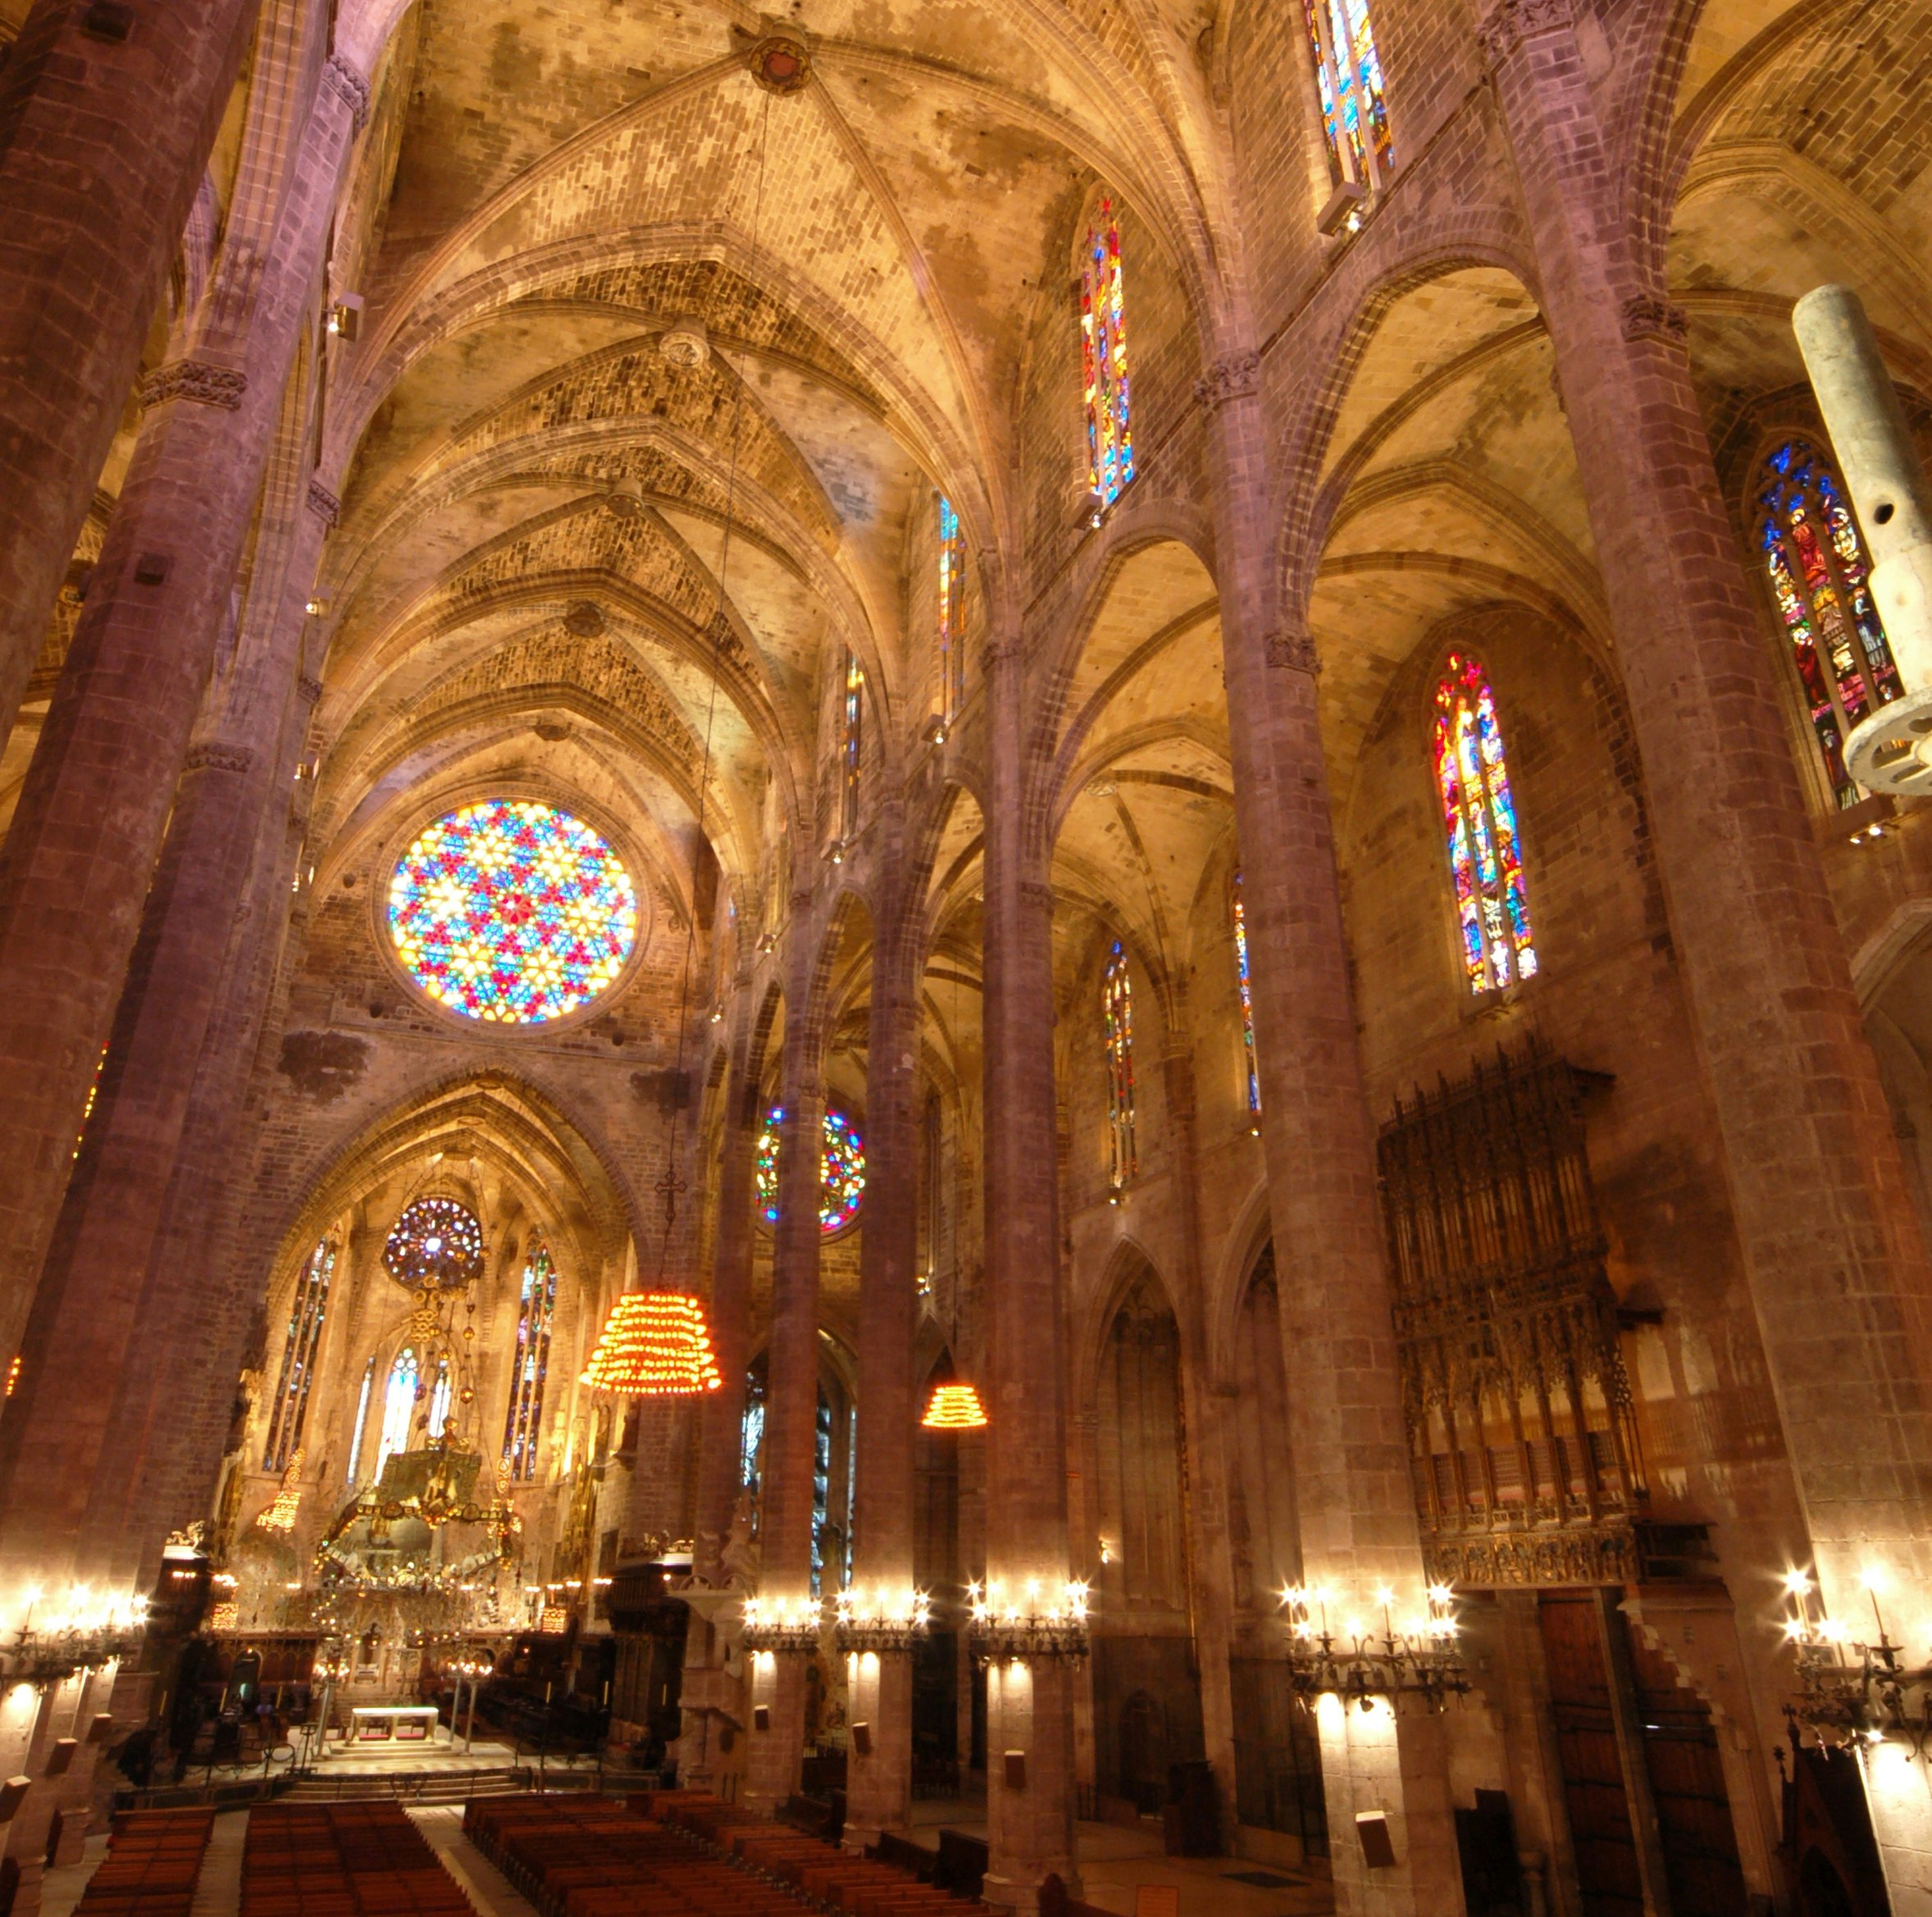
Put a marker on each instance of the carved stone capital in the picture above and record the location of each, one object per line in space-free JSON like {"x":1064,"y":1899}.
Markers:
{"x":1647,"y":316}
{"x":1037,"y":892}
{"x":342,"y":79}
{"x":195,"y":380}
{"x":324,"y":503}
{"x":309,"y":689}
{"x":1295,"y":650}
{"x":1505,"y":27}
{"x":218,"y":755}
{"x":1235,"y":377}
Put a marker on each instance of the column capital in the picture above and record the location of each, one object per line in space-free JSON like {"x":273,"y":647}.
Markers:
{"x":1295,"y":650}
{"x":347,"y":82}
{"x":219,"y":755}
{"x":324,"y":504}
{"x":195,"y":380}
{"x":1235,"y":375}
{"x":1505,"y":27}
{"x":1649,"y":316}
{"x":1037,"y":892}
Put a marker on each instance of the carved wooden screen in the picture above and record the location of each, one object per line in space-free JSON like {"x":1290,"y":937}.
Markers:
{"x":1523,"y":1443}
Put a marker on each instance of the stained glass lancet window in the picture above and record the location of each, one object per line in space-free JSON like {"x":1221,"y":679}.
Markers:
{"x":1247,"y":999}
{"x":841,"y":1171}
{"x":952,"y":598}
{"x":439,"y":1400}
{"x":298,"y":1356}
{"x":512,"y":912}
{"x":1817,"y":569}
{"x":1103,"y":339}
{"x":1348,"y":79}
{"x":523,"y":1424}
{"x":399,"y":1406}
{"x":1479,"y":816}
{"x":1117,"y":1005}
{"x":852,"y":753}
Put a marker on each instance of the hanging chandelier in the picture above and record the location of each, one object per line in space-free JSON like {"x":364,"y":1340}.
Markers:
{"x":653,"y":1345}
{"x":955,"y":1406}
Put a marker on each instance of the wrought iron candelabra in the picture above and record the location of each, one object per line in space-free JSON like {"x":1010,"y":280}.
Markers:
{"x":1851,"y":1693}
{"x":1032,"y":1626}
{"x":880,"y":1620}
{"x":782,"y":1624}
{"x":1358,"y":1665}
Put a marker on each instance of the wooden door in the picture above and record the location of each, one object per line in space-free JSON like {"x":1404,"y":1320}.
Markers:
{"x":1599,"y":1832}
{"x":1694,"y":1827}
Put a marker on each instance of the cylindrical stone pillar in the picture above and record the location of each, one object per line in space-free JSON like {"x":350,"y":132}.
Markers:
{"x":791,"y":1400}
{"x":1349,"y":1450}
{"x":115,"y":740}
{"x":1829,"y":1238}
{"x":879,"y":1788}
{"x":103,"y":139}
{"x":1030,"y":1757}
{"x":1890,"y":749}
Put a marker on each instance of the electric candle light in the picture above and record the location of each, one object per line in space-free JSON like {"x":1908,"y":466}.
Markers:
{"x":654,"y":1344}
{"x":954,"y":1407}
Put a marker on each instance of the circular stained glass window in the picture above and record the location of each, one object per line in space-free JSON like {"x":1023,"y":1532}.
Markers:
{"x":511,"y":911}
{"x":841,"y":1174}
{"x":436,"y":1244}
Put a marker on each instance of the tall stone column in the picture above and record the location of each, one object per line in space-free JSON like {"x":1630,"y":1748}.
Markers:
{"x":1351,"y":1453}
{"x":791,"y":1396}
{"x":1831,"y":1248}
{"x":721,"y":1418}
{"x":878,"y":1789}
{"x":106,"y":116}
{"x":75,"y":869}
{"x":1030,"y":1756}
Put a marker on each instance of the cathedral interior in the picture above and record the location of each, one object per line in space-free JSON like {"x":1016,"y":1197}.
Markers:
{"x":949,"y":932}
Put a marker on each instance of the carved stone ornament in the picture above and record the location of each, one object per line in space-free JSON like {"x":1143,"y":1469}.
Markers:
{"x":780,"y":63}
{"x":1506,"y":27}
{"x":195,"y":380}
{"x":324,"y":503}
{"x":1238,"y":376}
{"x":349,"y":87}
{"x":1646,"y":315}
{"x":310,"y":689}
{"x":1295,"y":650}
{"x":584,"y":619}
{"x":220,"y":756}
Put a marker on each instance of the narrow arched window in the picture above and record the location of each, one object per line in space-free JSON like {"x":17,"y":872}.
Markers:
{"x":1348,"y":80}
{"x":853,"y":747}
{"x":952,"y":604}
{"x":399,"y":1406}
{"x":1817,"y":569}
{"x":1117,"y":1005}
{"x":298,"y":1357}
{"x":355,"y":1442}
{"x":1247,"y":998}
{"x":1479,"y":817}
{"x":1103,"y":339}
{"x":530,"y":1364}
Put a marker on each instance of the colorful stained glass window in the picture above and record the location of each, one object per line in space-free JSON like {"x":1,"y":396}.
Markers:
{"x":531,"y":1365}
{"x":436,"y":1244}
{"x":853,"y":751}
{"x":952,"y":601}
{"x":298,"y":1357}
{"x":1247,"y":998}
{"x":399,"y":1406}
{"x":1818,"y":574}
{"x":841,"y":1187}
{"x":1103,"y":339}
{"x":355,"y":1443}
{"x":512,"y":912}
{"x":1117,"y":1006}
{"x":1348,"y":79}
{"x":1479,"y":814}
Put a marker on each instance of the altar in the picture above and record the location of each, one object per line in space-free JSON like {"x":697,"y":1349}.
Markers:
{"x":403,"y":1727}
